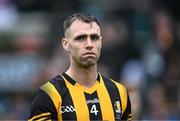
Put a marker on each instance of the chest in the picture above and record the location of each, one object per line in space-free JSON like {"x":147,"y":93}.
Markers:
{"x":96,"y":104}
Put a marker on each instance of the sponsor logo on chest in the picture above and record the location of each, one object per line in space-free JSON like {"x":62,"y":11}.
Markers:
{"x":93,"y":101}
{"x":67,"y":109}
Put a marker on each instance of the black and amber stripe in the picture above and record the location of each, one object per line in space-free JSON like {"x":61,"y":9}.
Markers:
{"x":62,"y":89}
{"x":60,"y":95}
{"x":93,"y":107}
{"x":41,"y":117}
{"x":113,"y":95}
{"x":79,"y":100}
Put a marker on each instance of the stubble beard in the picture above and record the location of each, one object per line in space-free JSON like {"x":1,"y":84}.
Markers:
{"x":89,"y":62}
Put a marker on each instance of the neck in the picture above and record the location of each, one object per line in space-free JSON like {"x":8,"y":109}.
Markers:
{"x":84,"y":76}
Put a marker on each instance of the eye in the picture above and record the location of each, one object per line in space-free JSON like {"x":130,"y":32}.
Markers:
{"x":94,"y":37}
{"x":80,"y":38}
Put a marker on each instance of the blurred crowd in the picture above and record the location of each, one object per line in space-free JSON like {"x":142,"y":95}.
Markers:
{"x":141,"y":42}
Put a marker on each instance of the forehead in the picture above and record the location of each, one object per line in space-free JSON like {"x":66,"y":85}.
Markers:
{"x":79,"y":27}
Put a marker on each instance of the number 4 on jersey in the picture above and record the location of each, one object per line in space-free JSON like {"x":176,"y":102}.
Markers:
{"x":94,"y":110}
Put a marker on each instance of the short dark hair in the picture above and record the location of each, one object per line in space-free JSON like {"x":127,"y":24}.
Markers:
{"x":87,"y":18}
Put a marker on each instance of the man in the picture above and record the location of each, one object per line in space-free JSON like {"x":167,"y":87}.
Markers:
{"x":81,"y":93}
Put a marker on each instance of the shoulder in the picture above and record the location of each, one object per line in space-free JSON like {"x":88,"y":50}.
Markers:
{"x":110,"y":82}
{"x":54,"y":87}
{"x":53,"y":84}
{"x":119,"y":85}
{"x":45,"y":92}
{"x":39,"y":95}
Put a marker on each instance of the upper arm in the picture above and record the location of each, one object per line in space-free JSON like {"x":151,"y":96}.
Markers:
{"x":42,"y":107}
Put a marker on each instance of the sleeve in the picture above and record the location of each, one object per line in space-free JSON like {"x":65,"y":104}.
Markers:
{"x":127,"y":113}
{"x":42,"y":107}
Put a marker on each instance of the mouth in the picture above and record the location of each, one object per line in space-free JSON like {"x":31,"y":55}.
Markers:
{"x":89,"y":53}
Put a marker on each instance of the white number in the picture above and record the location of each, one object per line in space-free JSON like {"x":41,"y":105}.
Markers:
{"x":94,"y":109}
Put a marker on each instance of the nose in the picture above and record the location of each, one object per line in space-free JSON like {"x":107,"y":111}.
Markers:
{"x":89,"y":44}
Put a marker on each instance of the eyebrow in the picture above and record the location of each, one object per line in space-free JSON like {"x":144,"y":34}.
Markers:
{"x":85,"y":35}
{"x":95,"y":35}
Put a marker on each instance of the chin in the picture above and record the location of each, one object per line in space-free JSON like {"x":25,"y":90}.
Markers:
{"x":89,"y":63}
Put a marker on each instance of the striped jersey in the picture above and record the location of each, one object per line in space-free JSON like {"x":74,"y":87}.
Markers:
{"x":63,"y":99}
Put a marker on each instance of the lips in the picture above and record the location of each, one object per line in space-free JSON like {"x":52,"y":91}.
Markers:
{"x":89,"y":53}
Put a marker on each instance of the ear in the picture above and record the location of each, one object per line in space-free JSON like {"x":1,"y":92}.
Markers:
{"x":65,"y":44}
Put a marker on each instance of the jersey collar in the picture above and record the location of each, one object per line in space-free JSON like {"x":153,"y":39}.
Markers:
{"x":72,"y":81}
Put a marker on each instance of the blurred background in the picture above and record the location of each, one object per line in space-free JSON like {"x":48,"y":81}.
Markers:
{"x":141,"y":40}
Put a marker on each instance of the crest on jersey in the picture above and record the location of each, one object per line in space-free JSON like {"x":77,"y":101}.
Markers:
{"x":117,"y":108}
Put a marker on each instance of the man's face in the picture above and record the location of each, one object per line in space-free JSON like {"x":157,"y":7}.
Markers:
{"x":83,"y":41}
